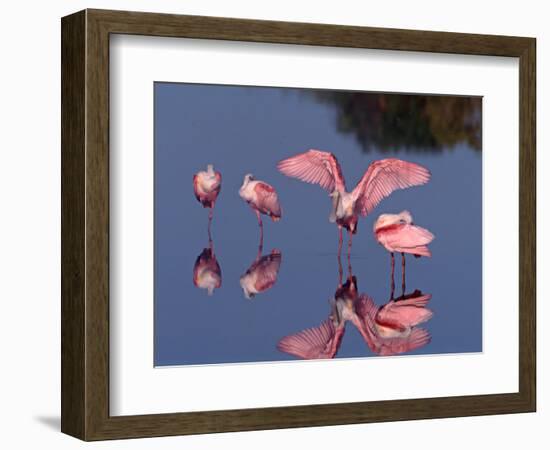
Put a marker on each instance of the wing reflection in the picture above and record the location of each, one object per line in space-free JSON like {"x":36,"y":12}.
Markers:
{"x":392,"y":328}
{"x":207,"y":273}
{"x":320,"y":342}
{"x":389,"y":329}
{"x":262,"y":273}
{"x":323,"y":342}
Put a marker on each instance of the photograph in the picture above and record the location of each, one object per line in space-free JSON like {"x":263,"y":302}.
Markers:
{"x":293,"y":224}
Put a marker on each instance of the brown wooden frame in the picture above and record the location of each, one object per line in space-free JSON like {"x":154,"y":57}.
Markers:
{"x":85,"y":224}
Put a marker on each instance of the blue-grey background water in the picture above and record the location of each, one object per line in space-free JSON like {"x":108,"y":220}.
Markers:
{"x":249,"y":129}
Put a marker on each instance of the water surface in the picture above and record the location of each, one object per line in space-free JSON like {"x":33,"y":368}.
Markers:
{"x":249,"y":129}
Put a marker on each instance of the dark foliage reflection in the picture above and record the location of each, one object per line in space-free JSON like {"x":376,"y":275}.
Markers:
{"x":411,"y":123}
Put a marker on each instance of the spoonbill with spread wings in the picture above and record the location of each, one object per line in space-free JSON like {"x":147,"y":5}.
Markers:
{"x":380,"y":179}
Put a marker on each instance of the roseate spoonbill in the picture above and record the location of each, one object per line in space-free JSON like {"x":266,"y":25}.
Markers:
{"x":343,"y":303}
{"x":402,"y":314}
{"x":206,"y":272}
{"x":398,"y":233}
{"x":262,"y":198}
{"x":348,"y":305}
{"x":323,"y":341}
{"x":387,"y":330}
{"x":380,"y":179}
{"x":262,"y":274}
{"x":392,"y":328}
{"x":207,"y":185}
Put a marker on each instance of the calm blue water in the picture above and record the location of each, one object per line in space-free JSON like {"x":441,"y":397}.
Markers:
{"x":247,"y":129}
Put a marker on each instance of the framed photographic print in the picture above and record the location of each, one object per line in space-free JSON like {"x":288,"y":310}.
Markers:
{"x":270,"y":224}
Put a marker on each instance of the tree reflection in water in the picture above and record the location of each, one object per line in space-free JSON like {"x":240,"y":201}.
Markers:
{"x":410,"y":123}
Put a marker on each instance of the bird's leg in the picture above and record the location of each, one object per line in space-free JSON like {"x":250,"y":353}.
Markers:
{"x":261,"y":224}
{"x":260,"y":250}
{"x":211,"y":212}
{"x":340,"y":270}
{"x":259,"y":216}
{"x":340,"y":241}
{"x":403,"y":273}
{"x":392,"y":282}
{"x":350,"y":237}
{"x":210,"y":216}
{"x":210,"y":242}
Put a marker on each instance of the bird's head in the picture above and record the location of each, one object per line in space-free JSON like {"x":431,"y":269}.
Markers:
{"x":385,"y":220}
{"x":247,"y":179}
{"x":210,"y":168}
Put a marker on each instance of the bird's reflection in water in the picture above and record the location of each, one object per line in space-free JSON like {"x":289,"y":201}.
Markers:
{"x":389,"y":329}
{"x":207,"y":273}
{"x":392,"y":328}
{"x":262,"y":273}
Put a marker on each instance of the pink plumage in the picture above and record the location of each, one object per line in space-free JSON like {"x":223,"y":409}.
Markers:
{"x":314,"y":343}
{"x":397,"y":233}
{"x":387,"y":330}
{"x":392,"y":328}
{"x":418,"y":338}
{"x":317,"y":167}
{"x":378,"y":182}
{"x":406,"y":313}
{"x":207,"y":185}
{"x":206,"y":271}
{"x":382,"y":178}
{"x":266,"y":201}
{"x":262,"y":274}
{"x":324,"y":341}
{"x":261,"y":197}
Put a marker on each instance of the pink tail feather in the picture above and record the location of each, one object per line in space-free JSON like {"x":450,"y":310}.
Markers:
{"x":421,"y":250}
{"x":419,"y":338}
{"x":412,"y":316}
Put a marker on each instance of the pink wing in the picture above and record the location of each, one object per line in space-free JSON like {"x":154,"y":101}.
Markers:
{"x":407,"y":238}
{"x":365,"y":307}
{"x":365,"y":312}
{"x":382,"y":178}
{"x":405,"y":313}
{"x":267,"y":270}
{"x":317,"y":167}
{"x":196,"y":187}
{"x":320,"y":342}
{"x":418,"y":338}
{"x":267,"y":200}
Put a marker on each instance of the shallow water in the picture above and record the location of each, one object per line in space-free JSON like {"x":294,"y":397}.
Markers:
{"x":243,"y":130}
